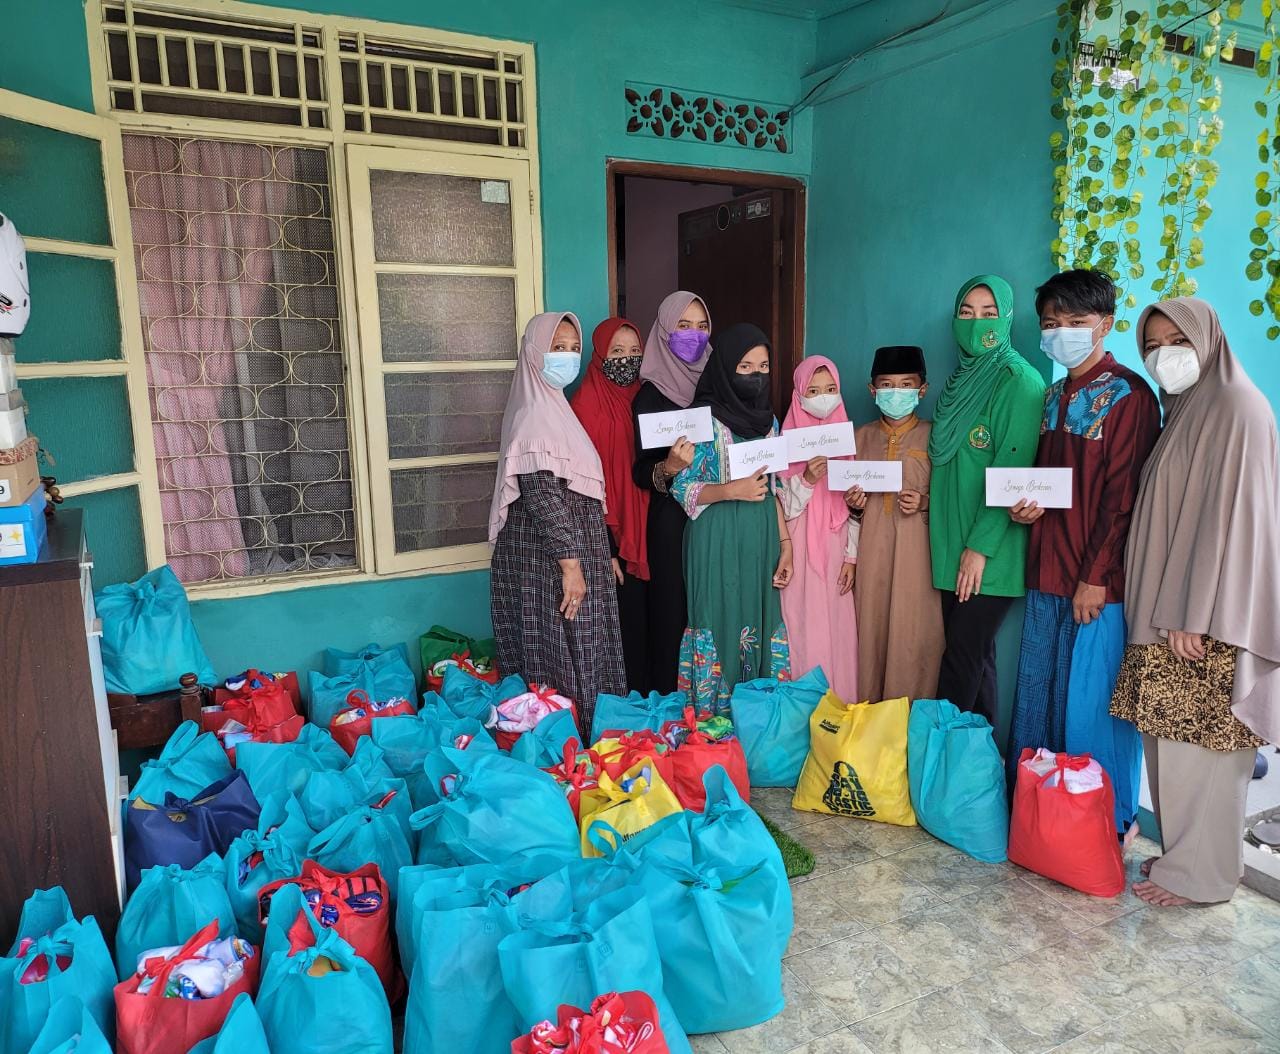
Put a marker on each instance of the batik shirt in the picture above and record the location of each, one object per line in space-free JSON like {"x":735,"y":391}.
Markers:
{"x":1102,"y":426}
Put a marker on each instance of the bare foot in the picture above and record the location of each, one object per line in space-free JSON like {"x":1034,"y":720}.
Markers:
{"x":1145,"y":866}
{"x":1160,"y":897}
{"x":1130,"y":836}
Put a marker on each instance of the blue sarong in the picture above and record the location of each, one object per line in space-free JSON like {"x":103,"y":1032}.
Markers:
{"x":1066,"y":676}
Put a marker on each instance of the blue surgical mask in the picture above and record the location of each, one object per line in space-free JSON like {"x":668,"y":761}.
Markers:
{"x":897,"y":403}
{"x":560,"y":368}
{"x":1067,"y":345}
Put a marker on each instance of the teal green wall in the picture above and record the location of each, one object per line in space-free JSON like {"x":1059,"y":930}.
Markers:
{"x":930,"y":166}
{"x":586,"y":51}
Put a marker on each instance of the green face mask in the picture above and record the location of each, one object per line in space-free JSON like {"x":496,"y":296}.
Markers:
{"x":980,"y":335}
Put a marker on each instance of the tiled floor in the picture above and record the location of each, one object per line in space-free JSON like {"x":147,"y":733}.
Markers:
{"x":903,"y":945}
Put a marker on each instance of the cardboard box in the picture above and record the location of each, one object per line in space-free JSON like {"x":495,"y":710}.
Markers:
{"x":23,"y":531}
{"x":13,"y":427}
{"x":12,"y":400}
{"x":17,"y":481}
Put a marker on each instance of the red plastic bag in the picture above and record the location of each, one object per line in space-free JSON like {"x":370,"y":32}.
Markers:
{"x":356,"y":905}
{"x":434,"y":677}
{"x":580,"y":770}
{"x":506,"y":738}
{"x":1070,"y":838}
{"x":618,"y":1023}
{"x":254,"y":684}
{"x":258,"y":729}
{"x":347,"y":733}
{"x":699,"y":752}
{"x":154,"y":1024}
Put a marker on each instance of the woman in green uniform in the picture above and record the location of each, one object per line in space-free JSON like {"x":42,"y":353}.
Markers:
{"x":988,"y":416}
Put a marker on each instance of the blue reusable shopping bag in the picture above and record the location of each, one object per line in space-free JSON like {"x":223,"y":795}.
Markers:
{"x":48,"y":931}
{"x":70,"y":1029}
{"x":771,"y":718}
{"x":170,"y":904}
{"x":492,"y":808}
{"x":330,"y":793}
{"x":370,"y":834}
{"x":274,"y":851}
{"x":465,"y":695}
{"x":406,"y":741}
{"x":456,"y":997}
{"x":957,"y":779}
{"x":342,"y":1010}
{"x":371,"y":657}
{"x":543,"y":745}
{"x":635,"y":711}
{"x":285,"y":767}
{"x":189,"y":762}
{"x":241,"y":1032}
{"x":186,"y":830}
{"x":717,"y":935}
{"x":729,"y":833}
{"x":148,"y":638}
{"x":609,"y":946}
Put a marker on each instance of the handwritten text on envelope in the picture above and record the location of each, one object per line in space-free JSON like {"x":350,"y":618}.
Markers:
{"x":1050,"y":488}
{"x":659,"y":430}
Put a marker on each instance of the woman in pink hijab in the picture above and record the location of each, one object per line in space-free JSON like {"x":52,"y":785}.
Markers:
{"x":674,"y":357}
{"x":555,"y":613}
{"x":817,"y":605}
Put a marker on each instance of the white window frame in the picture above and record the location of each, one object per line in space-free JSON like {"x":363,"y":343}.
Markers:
{"x":362,"y":361}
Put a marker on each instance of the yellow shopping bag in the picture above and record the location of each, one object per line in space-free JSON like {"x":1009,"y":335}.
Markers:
{"x":857,"y":763}
{"x":637,"y":799}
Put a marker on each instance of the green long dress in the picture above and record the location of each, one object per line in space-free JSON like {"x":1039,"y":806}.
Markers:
{"x":731,"y":551}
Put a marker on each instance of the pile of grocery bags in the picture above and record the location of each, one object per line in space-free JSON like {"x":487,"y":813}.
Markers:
{"x":466,"y":858}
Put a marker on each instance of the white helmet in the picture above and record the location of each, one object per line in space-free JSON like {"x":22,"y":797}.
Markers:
{"x":15,"y":289}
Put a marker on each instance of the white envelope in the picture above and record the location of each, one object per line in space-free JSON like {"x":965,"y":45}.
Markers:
{"x":659,"y":430}
{"x":757,"y":455}
{"x":820,"y":441}
{"x":872,"y":476}
{"x":1050,"y":488}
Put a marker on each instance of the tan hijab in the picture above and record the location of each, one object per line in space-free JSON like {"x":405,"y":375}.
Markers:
{"x":1204,"y":547}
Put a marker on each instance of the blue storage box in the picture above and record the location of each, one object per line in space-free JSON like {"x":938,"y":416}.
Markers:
{"x":23,"y":530}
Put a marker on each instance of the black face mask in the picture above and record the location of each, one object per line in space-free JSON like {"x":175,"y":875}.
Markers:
{"x":623,"y":372}
{"x":749,"y":387}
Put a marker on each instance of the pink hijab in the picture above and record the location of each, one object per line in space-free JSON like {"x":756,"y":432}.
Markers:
{"x":673,"y":377}
{"x":827,"y":510}
{"x":540,"y":433}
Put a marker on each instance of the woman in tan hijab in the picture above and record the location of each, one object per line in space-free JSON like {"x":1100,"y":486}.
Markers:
{"x":1202,"y":599}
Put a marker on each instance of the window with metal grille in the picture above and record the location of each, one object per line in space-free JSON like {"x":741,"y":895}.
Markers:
{"x":235,"y":260}
{"x":166,"y":60}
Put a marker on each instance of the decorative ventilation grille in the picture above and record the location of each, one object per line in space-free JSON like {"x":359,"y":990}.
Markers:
{"x":161,"y":59}
{"x":432,"y":93}
{"x":240,"y":320}
{"x":671,"y":113}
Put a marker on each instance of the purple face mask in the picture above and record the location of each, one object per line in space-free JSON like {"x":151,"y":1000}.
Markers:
{"x":687,"y":345}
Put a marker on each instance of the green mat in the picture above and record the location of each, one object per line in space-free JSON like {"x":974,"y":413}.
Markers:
{"x":798,"y":860}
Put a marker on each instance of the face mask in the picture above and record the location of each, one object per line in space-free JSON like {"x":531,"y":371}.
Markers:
{"x":687,"y":345}
{"x":623,"y":372}
{"x":560,"y":367}
{"x":820,"y":405}
{"x":1174,"y":368}
{"x":749,"y":386}
{"x":897,"y":403}
{"x":1068,"y":346}
{"x":979,"y":335}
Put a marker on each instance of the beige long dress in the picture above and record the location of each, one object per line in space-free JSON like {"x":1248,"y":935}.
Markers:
{"x":900,"y":638}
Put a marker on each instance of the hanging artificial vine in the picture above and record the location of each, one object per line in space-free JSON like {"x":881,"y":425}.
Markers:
{"x":1264,"y":257}
{"x":1124,"y":100}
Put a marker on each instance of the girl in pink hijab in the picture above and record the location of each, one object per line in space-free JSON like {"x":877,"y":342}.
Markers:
{"x":817,"y":605}
{"x":555,"y":613}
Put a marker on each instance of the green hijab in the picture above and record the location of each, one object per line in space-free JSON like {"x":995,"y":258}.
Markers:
{"x":985,"y":352}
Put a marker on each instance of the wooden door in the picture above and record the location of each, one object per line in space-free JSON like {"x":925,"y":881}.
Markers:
{"x":732,"y":254}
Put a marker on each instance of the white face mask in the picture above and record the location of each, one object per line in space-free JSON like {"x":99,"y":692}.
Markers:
{"x":820,"y":405}
{"x":1174,"y":367}
{"x":1067,"y":345}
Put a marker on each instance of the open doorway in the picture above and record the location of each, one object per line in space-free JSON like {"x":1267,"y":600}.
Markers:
{"x":735,"y":238}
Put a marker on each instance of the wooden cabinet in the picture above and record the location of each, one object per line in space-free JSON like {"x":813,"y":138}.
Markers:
{"x":60,"y":787}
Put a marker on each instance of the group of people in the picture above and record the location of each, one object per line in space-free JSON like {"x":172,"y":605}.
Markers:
{"x":1152,"y":618}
